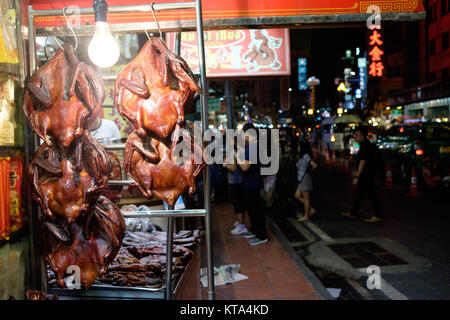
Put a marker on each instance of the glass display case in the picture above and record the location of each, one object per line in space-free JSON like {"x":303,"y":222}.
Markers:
{"x":14,"y":240}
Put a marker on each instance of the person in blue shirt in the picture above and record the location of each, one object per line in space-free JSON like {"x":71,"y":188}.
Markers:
{"x":252,"y":183}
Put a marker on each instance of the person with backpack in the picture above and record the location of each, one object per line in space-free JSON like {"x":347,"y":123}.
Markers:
{"x":304,"y":167}
{"x":368,"y":167}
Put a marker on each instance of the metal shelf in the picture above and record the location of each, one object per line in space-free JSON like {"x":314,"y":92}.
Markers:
{"x":170,"y":214}
{"x":120,"y":182}
{"x":114,"y":146}
{"x":165,"y":213}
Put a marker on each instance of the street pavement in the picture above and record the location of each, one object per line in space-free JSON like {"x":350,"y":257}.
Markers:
{"x":415,"y":230}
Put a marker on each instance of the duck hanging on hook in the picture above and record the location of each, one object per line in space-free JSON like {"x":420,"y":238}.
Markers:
{"x":56,"y":38}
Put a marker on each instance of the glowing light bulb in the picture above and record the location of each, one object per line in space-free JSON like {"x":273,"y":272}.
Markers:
{"x":103,"y":49}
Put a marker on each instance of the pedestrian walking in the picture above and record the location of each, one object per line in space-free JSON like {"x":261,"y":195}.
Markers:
{"x":252,"y":183}
{"x":368,"y":163}
{"x":304,"y":167}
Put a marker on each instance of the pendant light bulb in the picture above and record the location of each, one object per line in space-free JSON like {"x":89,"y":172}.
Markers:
{"x":103,"y":49}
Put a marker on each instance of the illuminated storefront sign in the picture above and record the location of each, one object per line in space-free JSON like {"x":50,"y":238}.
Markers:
{"x":376,"y":66}
{"x":277,"y":12}
{"x":302,"y":74}
{"x":238,"y":53}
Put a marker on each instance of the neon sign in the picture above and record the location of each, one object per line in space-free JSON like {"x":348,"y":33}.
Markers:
{"x":376,"y":67}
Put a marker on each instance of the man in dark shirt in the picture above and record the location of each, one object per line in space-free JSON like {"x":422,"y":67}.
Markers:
{"x":252,"y":183}
{"x":367,"y":168}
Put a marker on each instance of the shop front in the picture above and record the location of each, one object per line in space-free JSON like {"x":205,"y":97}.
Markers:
{"x":136,"y":224}
{"x":241,"y":67}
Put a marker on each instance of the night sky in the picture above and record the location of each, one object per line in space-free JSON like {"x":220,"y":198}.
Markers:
{"x":325,"y":48}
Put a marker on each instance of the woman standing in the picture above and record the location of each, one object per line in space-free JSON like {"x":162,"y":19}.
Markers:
{"x":304,"y":167}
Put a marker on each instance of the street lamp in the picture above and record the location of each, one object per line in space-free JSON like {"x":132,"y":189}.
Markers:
{"x":313,"y":82}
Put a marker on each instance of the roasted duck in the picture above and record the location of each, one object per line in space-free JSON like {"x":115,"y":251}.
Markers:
{"x":141,"y":261}
{"x":149,"y":162}
{"x":91,"y":250}
{"x":79,"y":225}
{"x":152,"y":90}
{"x":39,"y":295}
{"x":62,"y":98}
{"x":59,"y":187}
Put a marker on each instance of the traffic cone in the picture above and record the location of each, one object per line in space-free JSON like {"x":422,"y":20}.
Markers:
{"x":346,"y":165}
{"x":327,"y":156}
{"x":413,"y":188}
{"x":341,"y":162}
{"x":333,"y":158}
{"x":388,"y":182}
{"x":314,"y":150}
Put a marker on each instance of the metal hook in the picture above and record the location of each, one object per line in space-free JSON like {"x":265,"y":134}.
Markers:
{"x":70,"y":27}
{"x":59,"y":44}
{"x":148,"y":36}
{"x":45,"y":49}
{"x":156,"y":20}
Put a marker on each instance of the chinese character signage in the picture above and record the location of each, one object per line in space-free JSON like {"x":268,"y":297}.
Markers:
{"x":376,"y":65}
{"x":238,"y":53}
{"x":302,"y":74}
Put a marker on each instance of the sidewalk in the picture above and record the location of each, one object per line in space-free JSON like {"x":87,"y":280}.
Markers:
{"x":272,"y":273}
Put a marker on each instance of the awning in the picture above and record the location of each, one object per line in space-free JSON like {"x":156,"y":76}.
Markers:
{"x":239,"y":13}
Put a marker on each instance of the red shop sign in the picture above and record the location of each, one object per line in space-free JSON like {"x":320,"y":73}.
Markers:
{"x":231,"y":9}
{"x":238,"y":53}
{"x":376,"y":66}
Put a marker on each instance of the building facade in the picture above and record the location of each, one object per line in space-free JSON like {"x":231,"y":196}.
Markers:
{"x":424,"y":65}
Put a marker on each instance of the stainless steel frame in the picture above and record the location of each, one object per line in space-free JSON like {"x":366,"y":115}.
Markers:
{"x":204,"y":113}
{"x":301,"y":21}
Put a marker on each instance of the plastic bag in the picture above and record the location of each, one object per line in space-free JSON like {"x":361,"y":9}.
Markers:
{"x":4,"y":199}
{"x":15,"y":193}
{"x":268,"y":193}
{"x":4,"y":253}
{"x":12,"y":271}
{"x":138,"y":224}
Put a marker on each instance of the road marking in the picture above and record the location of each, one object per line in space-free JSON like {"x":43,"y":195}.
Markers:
{"x":305,"y":232}
{"x":300,"y":244}
{"x":359,"y":288}
{"x":386,"y":288}
{"x":318,"y":231}
{"x":391,"y":292}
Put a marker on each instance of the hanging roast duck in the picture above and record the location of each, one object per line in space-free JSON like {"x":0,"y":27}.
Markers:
{"x":91,"y":249}
{"x":150,"y":163}
{"x":62,"y":98}
{"x":79,"y":225}
{"x":152,"y":90}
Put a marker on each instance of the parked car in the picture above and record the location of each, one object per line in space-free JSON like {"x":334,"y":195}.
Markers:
{"x":435,"y":143}
{"x":398,"y":143}
{"x":424,"y":146}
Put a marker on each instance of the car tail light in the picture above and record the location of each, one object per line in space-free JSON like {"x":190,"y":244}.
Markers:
{"x":333,"y":138}
{"x":419,"y":152}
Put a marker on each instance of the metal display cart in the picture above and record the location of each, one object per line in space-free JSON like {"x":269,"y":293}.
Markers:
{"x":105,"y":291}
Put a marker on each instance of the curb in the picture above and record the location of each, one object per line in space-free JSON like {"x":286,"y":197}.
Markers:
{"x":309,"y":275}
